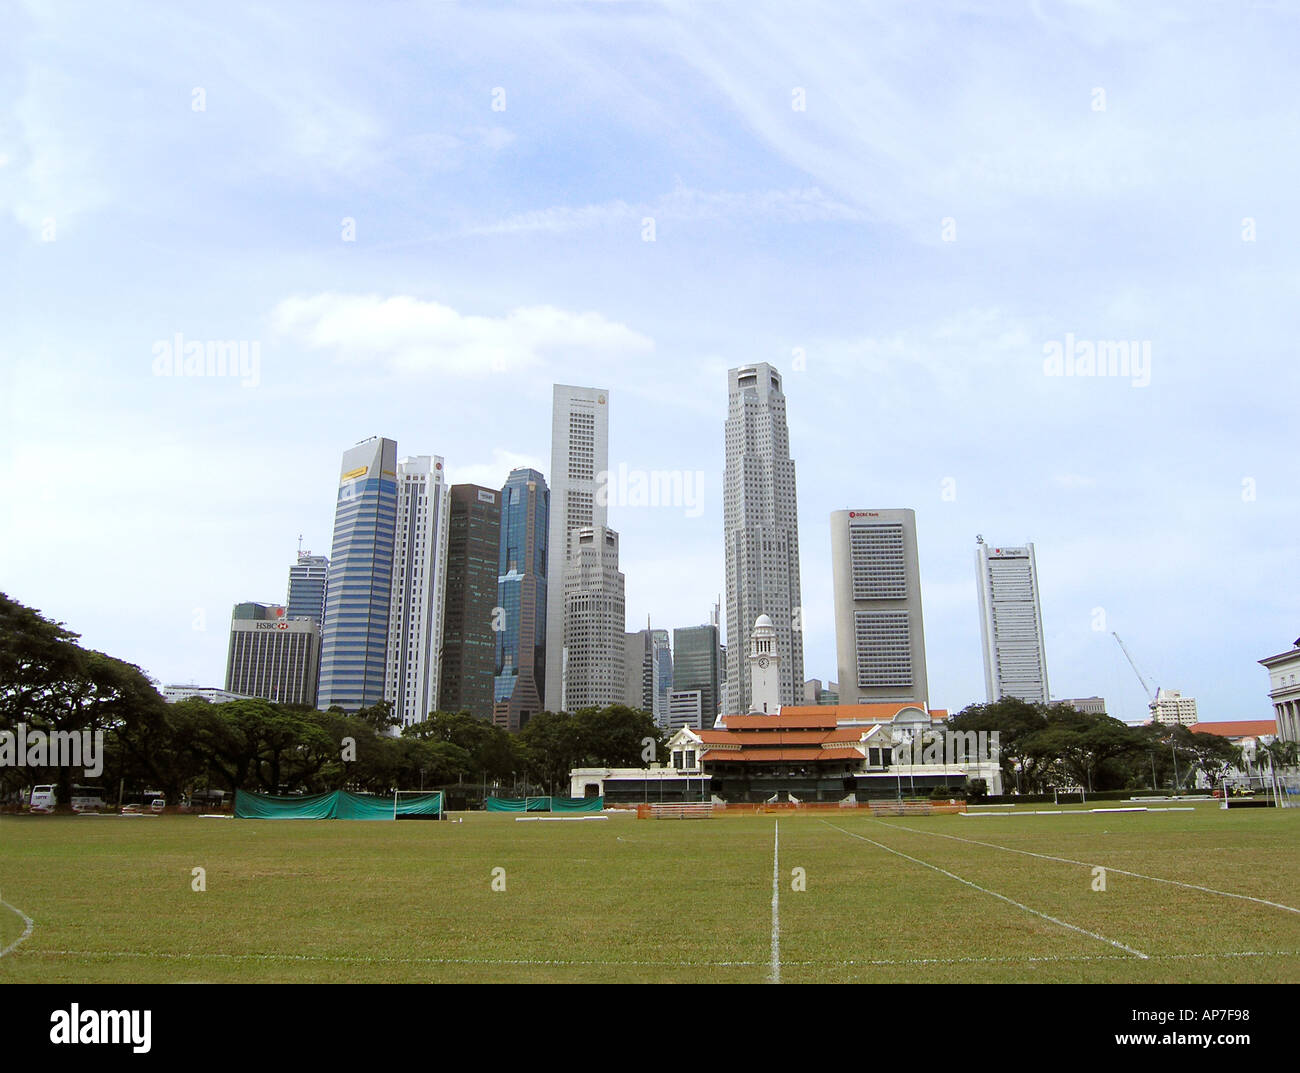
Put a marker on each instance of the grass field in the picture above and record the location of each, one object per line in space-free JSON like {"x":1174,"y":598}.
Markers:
{"x":914,"y":899}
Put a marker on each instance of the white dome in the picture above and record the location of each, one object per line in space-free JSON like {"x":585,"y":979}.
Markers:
{"x":763,"y":620}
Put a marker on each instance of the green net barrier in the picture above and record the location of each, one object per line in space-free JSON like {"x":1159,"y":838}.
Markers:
{"x":537,"y":804}
{"x":577,"y":804}
{"x":506,"y":804}
{"x":338,"y":805}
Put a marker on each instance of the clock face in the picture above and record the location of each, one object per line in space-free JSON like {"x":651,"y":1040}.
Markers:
{"x":762,"y":661}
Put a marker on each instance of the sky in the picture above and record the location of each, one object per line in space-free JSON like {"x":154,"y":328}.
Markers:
{"x":419,"y":217}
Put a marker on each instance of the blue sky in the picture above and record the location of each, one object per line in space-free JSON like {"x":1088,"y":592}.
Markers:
{"x":965,"y":185}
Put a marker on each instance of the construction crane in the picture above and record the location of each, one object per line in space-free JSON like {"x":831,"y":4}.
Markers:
{"x":1151,"y":696}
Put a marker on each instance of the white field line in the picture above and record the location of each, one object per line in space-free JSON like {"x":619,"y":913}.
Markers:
{"x":1085,"y":864}
{"x":28,"y":925}
{"x":994,"y":894}
{"x":346,"y":959}
{"x":776,"y":903}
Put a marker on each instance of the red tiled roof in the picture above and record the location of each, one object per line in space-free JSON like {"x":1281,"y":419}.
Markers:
{"x":1247,"y":728}
{"x":789,"y":719}
{"x":773,"y":755}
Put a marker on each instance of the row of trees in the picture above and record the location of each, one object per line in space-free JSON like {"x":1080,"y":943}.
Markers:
{"x":1046,"y":745}
{"x":49,"y":682}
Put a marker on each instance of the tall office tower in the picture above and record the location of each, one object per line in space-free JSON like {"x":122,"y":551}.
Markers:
{"x":272,"y":655}
{"x":519,"y":689}
{"x":639,"y":671}
{"x":761,"y":530}
{"x":469,"y":643}
{"x":579,"y":457}
{"x":1011,"y":623}
{"x":593,"y":621}
{"x":698,"y":665}
{"x":358,"y":596}
{"x":879,"y":629}
{"x":307,"y":584}
{"x":415,"y":623}
{"x":663,"y":674}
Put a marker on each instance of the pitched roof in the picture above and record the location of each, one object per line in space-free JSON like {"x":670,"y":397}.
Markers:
{"x":1246,"y":728}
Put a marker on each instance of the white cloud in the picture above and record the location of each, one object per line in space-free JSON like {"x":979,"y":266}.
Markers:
{"x":410,"y":335}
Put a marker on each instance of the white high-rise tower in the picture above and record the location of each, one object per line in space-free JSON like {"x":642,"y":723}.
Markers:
{"x":594,"y":617}
{"x":1011,"y":623}
{"x":419,"y":589}
{"x":761,"y":530}
{"x":579,"y":465}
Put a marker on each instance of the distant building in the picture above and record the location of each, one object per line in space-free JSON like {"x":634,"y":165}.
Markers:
{"x":272,"y":656}
{"x":760,"y":528}
{"x":1237,"y":732}
{"x":579,"y":465}
{"x":1011,"y":623}
{"x":469,"y":642}
{"x":638,"y":671}
{"x":1171,"y":708}
{"x":213,"y":695}
{"x":764,"y":668}
{"x":419,"y":589}
{"x":1087,"y":705}
{"x":879,"y":624}
{"x":358,"y":597}
{"x":663,"y":674}
{"x":699,"y":664}
{"x":685,"y":709}
{"x":1284,"y":691}
{"x":814,"y":693}
{"x":594,"y":615}
{"x":519,"y":687}
{"x":308,"y":579}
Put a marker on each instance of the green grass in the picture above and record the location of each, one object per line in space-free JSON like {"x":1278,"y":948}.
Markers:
{"x":637,"y":900}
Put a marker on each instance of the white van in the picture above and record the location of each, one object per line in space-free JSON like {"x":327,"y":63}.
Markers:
{"x":43,"y":799}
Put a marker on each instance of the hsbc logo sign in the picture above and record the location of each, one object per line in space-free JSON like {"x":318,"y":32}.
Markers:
{"x":281,"y":625}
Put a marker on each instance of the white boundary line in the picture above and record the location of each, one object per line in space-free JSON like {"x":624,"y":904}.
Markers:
{"x":839,"y":963}
{"x":27,"y":930}
{"x":992,"y":893}
{"x":776,"y":903}
{"x":1085,"y":864}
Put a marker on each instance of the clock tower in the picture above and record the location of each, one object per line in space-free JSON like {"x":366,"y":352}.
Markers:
{"x":764,"y":669}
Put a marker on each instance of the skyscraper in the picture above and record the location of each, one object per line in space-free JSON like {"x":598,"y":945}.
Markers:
{"x":639,"y":671}
{"x":698,"y":665}
{"x":358,"y":596}
{"x":879,"y":627}
{"x":579,"y":462}
{"x":521,"y":595}
{"x":272,"y":655}
{"x":1011,"y":623}
{"x":594,"y":614}
{"x":662,"y":682}
{"x":415,"y":629}
{"x":761,"y":530}
{"x":469,"y":644}
{"x":307,"y":583}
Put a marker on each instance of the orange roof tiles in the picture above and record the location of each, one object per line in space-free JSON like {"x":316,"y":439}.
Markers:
{"x":1247,"y":728}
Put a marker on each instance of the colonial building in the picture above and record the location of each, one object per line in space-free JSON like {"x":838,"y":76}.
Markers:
{"x":1284,"y":691}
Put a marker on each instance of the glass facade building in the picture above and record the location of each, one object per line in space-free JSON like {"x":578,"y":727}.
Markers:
{"x":519,"y":687}
{"x":469,"y":643}
{"x":698,"y":664}
{"x":307,"y":581}
{"x":357,"y":603}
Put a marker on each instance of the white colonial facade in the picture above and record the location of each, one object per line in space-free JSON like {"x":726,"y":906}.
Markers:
{"x":1284,"y":691}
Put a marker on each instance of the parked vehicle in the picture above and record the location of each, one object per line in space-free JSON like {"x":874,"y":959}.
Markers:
{"x":87,"y":799}
{"x":43,"y":799}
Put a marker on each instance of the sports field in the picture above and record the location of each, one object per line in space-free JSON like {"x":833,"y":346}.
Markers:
{"x":1205,"y":895}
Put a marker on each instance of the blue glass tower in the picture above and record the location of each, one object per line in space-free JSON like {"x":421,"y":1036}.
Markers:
{"x":520,"y":682}
{"x":357,"y":602}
